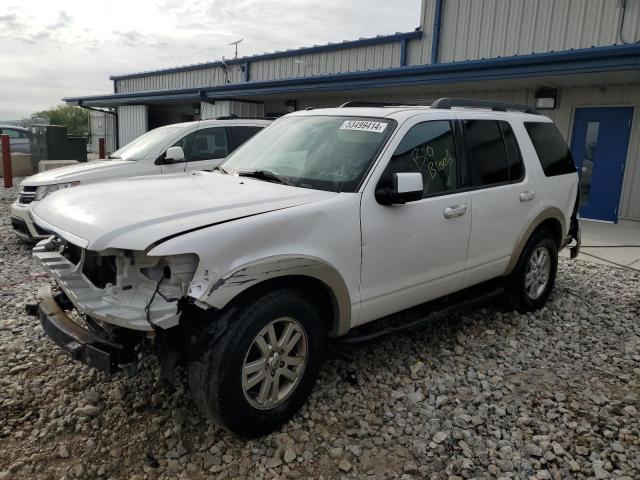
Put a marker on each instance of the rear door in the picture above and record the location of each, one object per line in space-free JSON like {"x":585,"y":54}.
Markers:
{"x":502,"y":196}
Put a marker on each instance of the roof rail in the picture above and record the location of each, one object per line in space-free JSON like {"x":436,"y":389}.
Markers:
{"x":359,"y":104}
{"x":233,"y":116}
{"x":448,"y":103}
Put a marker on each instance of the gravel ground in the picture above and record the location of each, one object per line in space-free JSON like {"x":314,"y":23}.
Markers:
{"x":554,"y":394}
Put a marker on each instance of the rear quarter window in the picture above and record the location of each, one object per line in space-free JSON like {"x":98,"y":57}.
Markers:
{"x":553,"y":152}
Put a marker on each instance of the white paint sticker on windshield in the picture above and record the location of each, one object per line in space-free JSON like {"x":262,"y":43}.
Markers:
{"x":364,"y":126}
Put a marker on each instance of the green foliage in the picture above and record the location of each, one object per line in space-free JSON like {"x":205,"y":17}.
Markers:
{"x":76,"y":119}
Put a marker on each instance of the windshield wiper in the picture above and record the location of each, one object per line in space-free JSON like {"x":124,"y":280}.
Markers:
{"x":266,"y":175}
{"x":220,"y":169}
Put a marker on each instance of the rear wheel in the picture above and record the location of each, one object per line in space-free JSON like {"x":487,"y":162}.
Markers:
{"x":533,"y":278}
{"x":259,"y":363}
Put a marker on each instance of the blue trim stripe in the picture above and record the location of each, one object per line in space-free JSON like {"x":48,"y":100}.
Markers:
{"x":330,"y":47}
{"x":589,"y":60}
{"x":435,"y":38}
{"x":403,"y":52}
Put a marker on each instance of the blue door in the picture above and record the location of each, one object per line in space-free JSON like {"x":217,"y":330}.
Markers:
{"x":599,"y":147}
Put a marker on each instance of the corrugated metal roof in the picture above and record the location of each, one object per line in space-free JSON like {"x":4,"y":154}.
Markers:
{"x":280,"y":54}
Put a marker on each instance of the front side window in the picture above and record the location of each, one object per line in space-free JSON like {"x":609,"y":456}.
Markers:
{"x":186,"y":143}
{"x":429,"y":149}
{"x":322,"y":152}
{"x":486,"y":156}
{"x":208,"y":144}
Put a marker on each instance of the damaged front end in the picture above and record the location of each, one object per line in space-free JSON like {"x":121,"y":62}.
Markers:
{"x":122,"y":296}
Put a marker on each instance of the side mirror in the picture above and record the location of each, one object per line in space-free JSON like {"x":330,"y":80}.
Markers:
{"x":173,"y":155}
{"x":407,"y":187}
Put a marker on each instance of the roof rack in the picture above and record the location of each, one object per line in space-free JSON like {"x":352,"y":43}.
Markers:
{"x":361,"y":104}
{"x":233,"y":116}
{"x":448,"y":103}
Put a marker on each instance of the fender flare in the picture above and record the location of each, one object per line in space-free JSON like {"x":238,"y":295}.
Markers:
{"x":219,"y":293}
{"x":548,"y":213}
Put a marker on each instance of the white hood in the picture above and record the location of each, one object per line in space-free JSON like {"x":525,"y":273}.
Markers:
{"x":83,"y":172}
{"x":137,"y":212}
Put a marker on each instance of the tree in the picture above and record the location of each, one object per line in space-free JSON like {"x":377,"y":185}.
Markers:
{"x":76,"y":119}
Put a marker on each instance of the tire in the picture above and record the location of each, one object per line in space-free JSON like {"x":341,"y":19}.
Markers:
{"x":230,"y":399}
{"x":523,"y":295}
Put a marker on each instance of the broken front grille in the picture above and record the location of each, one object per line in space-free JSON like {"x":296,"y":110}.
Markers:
{"x":99,"y":270}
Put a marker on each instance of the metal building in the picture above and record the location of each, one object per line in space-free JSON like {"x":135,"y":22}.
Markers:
{"x":579,"y":60}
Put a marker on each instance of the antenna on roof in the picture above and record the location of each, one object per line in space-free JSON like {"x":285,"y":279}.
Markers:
{"x":236,"y":45}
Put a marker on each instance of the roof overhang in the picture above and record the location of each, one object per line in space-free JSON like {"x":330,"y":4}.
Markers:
{"x":617,"y":58}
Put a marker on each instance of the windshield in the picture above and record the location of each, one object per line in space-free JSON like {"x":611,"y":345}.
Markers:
{"x":321,"y":152}
{"x":145,"y":144}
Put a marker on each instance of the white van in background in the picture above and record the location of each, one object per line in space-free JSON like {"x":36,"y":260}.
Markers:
{"x":173,"y":148}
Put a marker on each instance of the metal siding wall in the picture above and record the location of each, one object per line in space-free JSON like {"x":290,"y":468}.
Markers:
{"x":132,"y":122}
{"x":419,"y":51}
{"x":230,"y":107}
{"x":204,"y":77}
{"x":474,"y":29}
{"x":372,"y":57}
{"x":207,"y":111}
{"x":102,"y":125}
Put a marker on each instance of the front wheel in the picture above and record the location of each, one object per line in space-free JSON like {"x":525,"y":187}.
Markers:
{"x":532,"y":280}
{"x":259,"y":366}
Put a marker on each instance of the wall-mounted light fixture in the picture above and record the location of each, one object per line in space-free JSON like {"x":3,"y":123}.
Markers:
{"x":546,"y":98}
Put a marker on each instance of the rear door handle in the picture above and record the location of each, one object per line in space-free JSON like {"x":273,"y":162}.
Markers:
{"x":455,"y":211}
{"x":527,"y":196}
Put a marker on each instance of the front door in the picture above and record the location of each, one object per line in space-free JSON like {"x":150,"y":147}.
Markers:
{"x":599,"y":147}
{"x":416,"y":252}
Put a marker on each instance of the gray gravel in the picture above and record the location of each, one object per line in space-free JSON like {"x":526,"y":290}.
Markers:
{"x":555,"y":394}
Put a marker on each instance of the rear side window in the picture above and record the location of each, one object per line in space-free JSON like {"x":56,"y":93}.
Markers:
{"x":552,"y":150}
{"x":486,"y":154}
{"x":239,"y":135}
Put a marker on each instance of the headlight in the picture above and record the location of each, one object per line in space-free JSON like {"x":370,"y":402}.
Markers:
{"x":45,"y":190}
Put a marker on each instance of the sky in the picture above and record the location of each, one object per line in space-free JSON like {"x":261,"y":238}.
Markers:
{"x":53,"y":49}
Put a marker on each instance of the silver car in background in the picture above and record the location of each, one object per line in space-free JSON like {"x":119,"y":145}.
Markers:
{"x":18,"y":137}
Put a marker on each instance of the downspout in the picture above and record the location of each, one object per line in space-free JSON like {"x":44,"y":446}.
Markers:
{"x":435,"y":39}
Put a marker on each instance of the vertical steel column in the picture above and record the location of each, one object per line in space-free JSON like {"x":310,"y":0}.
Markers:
{"x":435,"y":39}
{"x":101,"y":148}
{"x":7,"y":172}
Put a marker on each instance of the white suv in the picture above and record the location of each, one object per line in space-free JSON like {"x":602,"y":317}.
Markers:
{"x":338,"y":222}
{"x":197,"y":146}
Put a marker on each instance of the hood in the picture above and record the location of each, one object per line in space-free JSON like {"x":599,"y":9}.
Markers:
{"x":135,"y":213}
{"x":82,"y":172}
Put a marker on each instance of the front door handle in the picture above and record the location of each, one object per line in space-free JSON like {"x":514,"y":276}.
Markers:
{"x":527,"y":196}
{"x":455,"y":211}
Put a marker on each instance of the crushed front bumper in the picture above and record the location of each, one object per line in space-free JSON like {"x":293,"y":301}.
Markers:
{"x":23,"y":225}
{"x":122,"y":306}
{"x":78,"y":342}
